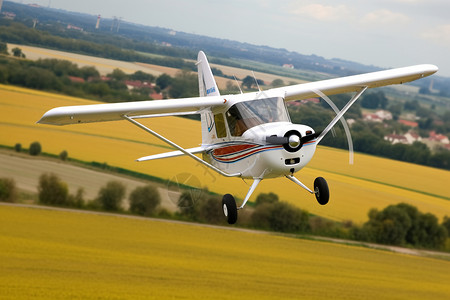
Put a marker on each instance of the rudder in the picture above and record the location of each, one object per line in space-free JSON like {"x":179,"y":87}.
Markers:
{"x":207,"y":87}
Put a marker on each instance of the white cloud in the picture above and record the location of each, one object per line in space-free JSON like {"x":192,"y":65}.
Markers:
{"x":384,"y":17}
{"x":439,"y":35}
{"x":322,"y":12}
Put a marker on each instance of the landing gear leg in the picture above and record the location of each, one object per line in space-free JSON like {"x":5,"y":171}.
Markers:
{"x":320,"y":188}
{"x":229,"y":204}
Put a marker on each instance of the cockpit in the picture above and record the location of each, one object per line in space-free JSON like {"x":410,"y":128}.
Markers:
{"x":245,"y":115}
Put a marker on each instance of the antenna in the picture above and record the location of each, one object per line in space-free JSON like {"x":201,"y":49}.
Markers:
{"x":237,"y":82}
{"x":256,"y":81}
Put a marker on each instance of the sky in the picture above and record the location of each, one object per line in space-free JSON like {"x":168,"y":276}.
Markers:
{"x":383,"y":33}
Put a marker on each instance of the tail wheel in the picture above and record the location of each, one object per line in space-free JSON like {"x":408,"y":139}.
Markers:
{"x":229,"y":208}
{"x":321,"y":190}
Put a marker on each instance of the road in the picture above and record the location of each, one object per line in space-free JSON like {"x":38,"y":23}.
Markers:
{"x":25,"y":170}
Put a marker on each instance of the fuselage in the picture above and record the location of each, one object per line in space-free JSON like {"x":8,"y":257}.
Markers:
{"x":254,"y":158}
{"x":257,"y":139}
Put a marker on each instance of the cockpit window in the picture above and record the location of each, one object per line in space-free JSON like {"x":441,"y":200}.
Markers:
{"x":245,"y":115}
{"x":221,"y":131}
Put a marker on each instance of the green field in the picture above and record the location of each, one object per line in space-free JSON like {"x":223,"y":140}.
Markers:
{"x":50,"y":254}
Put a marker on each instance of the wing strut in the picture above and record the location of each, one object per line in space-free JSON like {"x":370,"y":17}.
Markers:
{"x":340,"y":114}
{"x":186,"y":152}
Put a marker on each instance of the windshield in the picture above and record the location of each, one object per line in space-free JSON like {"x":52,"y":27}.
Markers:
{"x":245,"y":115}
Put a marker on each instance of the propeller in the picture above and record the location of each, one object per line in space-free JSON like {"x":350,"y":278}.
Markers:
{"x":292,"y":140}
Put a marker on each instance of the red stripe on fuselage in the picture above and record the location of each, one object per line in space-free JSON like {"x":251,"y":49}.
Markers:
{"x":233,"y":149}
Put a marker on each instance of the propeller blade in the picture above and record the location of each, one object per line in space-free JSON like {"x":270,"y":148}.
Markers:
{"x":340,"y":116}
{"x":309,"y":137}
{"x":277,"y":140}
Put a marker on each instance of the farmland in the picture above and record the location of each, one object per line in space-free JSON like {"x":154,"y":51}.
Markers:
{"x":371,"y":182}
{"x":48,"y":254}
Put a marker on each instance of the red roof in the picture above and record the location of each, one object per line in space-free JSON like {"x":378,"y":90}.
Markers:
{"x":156,"y":96}
{"x":76,"y":79}
{"x":408,"y":123}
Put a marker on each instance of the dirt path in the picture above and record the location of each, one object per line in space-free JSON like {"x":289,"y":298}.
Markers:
{"x":25,"y":170}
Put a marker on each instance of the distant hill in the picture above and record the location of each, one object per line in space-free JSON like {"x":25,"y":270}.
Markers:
{"x":185,"y":45}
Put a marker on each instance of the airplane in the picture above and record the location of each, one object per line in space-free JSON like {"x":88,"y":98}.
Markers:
{"x":247,"y":135}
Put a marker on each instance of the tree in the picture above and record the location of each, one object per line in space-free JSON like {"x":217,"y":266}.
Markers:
{"x":3,"y":48}
{"x":89,"y":72}
{"x":8,"y":190}
{"x":118,"y":74}
{"x":144,"y":200}
{"x":374,"y":100}
{"x":403,"y":224}
{"x":184,"y":85}
{"x":163,"y":81}
{"x":280,"y":216}
{"x":277,"y":83}
{"x":142,"y":76}
{"x":266,"y":198}
{"x":63,"y":155}
{"x":18,"y":147}
{"x":110,"y":196}
{"x":446,"y":224}
{"x":17,"y":52}
{"x":248,"y":82}
{"x":52,"y":190}
{"x":187,"y":206}
{"x":35,"y":148}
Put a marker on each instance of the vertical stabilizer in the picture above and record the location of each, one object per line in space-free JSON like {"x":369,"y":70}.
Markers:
{"x":207,"y":84}
{"x":207,"y":87}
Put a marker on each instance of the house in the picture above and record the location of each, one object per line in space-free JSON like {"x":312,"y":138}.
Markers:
{"x":289,"y":66}
{"x":440,"y":138}
{"x":137,"y":84}
{"x":396,"y":139}
{"x":70,"y":26}
{"x":384,"y":114}
{"x":412,"y":137}
{"x":372,"y":118}
{"x":156,"y":96}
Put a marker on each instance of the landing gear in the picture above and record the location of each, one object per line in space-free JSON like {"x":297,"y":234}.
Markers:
{"x":229,"y":208}
{"x":321,"y":190}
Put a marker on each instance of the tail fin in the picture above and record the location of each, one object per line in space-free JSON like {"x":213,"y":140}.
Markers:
{"x":207,"y":87}
{"x":207,"y":84}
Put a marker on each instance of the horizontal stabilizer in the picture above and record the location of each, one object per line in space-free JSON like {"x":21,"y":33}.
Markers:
{"x":171,"y":154}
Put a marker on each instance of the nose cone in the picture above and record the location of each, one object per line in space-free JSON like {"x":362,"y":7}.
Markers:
{"x":294,"y":141}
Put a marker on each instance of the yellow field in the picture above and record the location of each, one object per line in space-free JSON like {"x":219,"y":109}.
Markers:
{"x":371,"y":182}
{"x":47,"y":254}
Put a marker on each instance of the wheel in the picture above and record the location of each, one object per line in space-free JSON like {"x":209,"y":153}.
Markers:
{"x":321,"y":190}
{"x":229,"y":208}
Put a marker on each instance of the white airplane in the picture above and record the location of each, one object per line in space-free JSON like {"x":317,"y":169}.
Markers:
{"x":245,"y":135}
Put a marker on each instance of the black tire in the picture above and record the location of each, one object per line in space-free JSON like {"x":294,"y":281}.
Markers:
{"x":321,"y":190}
{"x":229,"y":208}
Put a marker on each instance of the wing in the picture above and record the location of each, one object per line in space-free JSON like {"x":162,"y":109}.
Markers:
{"x":356,"y":82}
{"x":115,"y":111}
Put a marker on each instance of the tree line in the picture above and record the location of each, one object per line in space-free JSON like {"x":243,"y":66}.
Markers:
{"x":401,"y":224}
{"x":56,"y":76}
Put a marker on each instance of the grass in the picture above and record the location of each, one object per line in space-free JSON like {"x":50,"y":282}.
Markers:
{"x":371,"y":182}
{"x":48,"y":254}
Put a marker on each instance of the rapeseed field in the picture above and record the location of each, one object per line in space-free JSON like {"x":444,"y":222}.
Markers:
{"x":355,"y":189}
{"x":48,"y":254}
